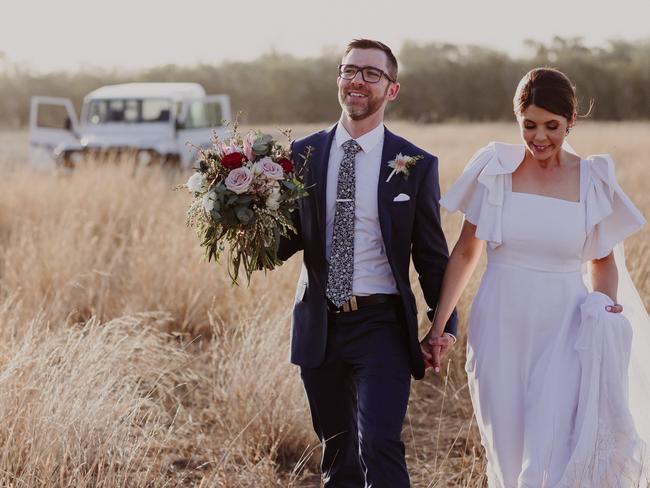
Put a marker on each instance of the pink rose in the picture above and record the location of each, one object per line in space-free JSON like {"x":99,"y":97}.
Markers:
{"x":273,"y":171}
{"x":239,"y":180}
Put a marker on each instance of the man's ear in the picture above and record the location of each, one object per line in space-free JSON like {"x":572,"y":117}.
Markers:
{"x":393,"y":90}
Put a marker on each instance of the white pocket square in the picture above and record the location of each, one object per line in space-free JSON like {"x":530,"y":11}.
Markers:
{"x":402,"y":197}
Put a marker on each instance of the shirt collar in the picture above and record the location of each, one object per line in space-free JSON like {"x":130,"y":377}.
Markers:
{"x":368,"y":141}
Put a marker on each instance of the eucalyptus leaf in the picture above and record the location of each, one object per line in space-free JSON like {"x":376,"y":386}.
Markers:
{"x":228,"y":218}
{"x":245,"y":200}
{"x":262,"y":145}
{"x":244,"y":214}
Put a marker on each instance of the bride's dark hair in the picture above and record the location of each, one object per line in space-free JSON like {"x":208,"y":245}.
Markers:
{"x":549,"y":89}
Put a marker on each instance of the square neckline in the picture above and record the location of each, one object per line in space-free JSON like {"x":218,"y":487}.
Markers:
{"x":580,"y":189}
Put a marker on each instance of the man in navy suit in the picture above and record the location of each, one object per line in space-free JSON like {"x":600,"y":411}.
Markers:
{"x":355,"y":329}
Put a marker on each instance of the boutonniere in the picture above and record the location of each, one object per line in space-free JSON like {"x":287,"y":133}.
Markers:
{"x":402,"y":164}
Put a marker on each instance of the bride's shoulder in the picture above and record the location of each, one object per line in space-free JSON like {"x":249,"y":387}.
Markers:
{"x":599,"y":161}
{"x":497,"y":157}
{"x":479,"y":191}
{"x":600,"y":168}
{"x":611,"y":215}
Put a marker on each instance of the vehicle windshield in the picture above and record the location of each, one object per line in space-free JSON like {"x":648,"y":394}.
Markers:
{"x":128,"y":111}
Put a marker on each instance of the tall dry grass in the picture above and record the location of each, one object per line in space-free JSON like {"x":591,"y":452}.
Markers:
{"x":126,"y":360}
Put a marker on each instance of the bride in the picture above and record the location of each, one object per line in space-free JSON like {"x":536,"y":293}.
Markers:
{"x":547,"y":361}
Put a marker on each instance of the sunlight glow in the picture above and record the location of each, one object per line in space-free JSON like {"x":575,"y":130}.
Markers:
{"x":70,"y":34}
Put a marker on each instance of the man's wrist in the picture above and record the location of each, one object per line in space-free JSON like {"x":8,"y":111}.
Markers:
{"x":453,"y":337}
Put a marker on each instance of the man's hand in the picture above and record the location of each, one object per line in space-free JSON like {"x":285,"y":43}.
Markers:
{"x":434,"y":348}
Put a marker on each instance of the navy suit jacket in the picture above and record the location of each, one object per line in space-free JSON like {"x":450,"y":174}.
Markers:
{"x":410,"y":229}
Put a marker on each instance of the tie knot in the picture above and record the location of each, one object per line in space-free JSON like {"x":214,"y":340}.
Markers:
{"x":351,"y":147}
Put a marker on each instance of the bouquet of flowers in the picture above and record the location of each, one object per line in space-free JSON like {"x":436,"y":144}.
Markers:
{"x":244,"y":191}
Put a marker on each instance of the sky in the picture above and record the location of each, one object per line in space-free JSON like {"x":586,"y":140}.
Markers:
{"x":133,"y":34}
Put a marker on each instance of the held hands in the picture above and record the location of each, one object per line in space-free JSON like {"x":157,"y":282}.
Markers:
{"x":434,"y":347}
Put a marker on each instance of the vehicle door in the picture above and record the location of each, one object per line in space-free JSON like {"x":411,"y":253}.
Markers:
{"x":197,"y":120}
{"x":53,"y":129}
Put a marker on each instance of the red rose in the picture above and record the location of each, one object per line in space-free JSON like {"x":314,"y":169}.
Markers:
{"x":233,"y":160}
{"x":287,"y":166}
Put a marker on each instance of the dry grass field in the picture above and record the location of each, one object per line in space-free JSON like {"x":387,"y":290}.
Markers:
{"x":128,"y":361}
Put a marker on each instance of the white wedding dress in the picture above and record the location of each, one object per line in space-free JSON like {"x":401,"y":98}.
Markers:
{"x":547,"y":366}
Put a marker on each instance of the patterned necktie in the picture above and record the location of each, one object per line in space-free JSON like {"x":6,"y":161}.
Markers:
{"x":339,"y":277}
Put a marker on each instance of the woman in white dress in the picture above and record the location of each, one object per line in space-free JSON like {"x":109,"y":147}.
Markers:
{"x":546,"y":360}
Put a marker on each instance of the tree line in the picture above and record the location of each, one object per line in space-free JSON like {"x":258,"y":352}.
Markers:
{"x":440,"y":82}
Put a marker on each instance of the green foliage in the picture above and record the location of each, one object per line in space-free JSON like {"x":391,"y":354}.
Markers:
{"x":251,"y":222}
{"x":262,"y":145}
{"x":440,"y":82}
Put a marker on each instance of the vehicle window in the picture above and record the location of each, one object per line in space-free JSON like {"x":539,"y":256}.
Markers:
{"x":129,"y":111}
{"x":156,"y":110}
{"x":201,"y":115}
{"x":52,"y":116}
{"x":97,"y":112}
{"x":115,"y":111}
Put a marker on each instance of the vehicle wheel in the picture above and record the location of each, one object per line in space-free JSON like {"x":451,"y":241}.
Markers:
{"x":172,"y":160}
{"x":71,"y":159}
{"x":147,"y":157}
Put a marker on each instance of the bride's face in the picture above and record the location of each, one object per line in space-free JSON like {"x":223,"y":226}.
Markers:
{"x":543,"y":132}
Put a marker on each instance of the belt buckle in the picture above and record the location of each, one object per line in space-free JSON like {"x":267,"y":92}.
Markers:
{"x":350,"y":305}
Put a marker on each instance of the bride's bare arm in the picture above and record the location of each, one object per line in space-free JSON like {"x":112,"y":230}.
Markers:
{"x":461,"y":265}
{"x":604,"y":278}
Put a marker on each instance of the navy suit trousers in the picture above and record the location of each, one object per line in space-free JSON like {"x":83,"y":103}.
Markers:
{"x":358,"y":398}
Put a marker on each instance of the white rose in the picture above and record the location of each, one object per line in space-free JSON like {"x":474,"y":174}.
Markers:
{"x":208,"y":201}
{"x":257,"y":168}
{"x":196,"y":183}
{"x":239,"y":180}
{"x":273,"y":200}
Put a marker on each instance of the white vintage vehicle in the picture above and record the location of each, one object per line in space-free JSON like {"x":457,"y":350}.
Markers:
{"x":155,"y":121}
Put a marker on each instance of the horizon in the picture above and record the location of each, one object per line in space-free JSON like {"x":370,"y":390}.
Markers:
{"x":67,"y":38}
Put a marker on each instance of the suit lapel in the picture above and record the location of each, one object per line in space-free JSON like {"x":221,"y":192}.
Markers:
{"x":385,"y":188}
{"x":321,"y":158}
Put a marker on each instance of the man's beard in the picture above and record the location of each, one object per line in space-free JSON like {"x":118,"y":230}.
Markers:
{"x":372,"y":105}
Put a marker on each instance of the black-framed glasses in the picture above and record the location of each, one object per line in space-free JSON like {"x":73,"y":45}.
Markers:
{"x":369,"y":74}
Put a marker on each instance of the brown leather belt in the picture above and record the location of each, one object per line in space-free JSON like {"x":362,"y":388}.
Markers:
{"x":357,"y":302}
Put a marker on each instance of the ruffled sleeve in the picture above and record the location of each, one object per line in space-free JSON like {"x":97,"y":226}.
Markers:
{"x":480,"y":189}
{"x":610,"y":214}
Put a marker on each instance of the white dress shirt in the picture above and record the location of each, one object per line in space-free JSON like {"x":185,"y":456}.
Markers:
{"x":372,"y":273}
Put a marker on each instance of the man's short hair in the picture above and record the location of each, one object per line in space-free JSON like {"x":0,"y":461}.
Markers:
{"x":372,"y":44}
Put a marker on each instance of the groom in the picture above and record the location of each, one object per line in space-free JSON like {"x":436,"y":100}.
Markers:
{"x":355,"y":329}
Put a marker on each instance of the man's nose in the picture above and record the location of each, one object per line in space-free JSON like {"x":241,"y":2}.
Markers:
{"x":360,"y":79}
